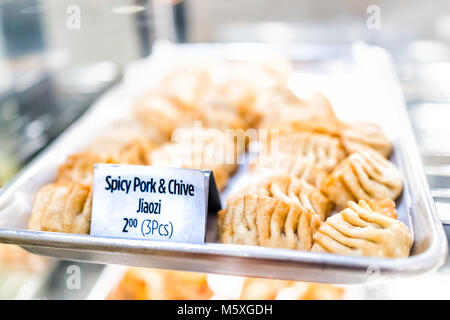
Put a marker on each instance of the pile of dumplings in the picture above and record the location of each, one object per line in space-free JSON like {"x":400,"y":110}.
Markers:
{"x":320,"y":184}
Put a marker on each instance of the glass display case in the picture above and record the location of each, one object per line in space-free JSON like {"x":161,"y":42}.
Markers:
{"x":70,"y":69}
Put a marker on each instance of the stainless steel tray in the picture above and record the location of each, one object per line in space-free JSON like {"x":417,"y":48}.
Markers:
{"x":361,"y":84}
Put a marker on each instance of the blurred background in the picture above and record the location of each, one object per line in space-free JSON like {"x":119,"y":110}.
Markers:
{"x":58,"y":56}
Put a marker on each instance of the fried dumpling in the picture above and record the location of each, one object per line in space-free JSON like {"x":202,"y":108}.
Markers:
{"x":359,"y":230}
{"x":385,"y":207}
{"x":364,"y":175}
{"x":290,"y":188}
{"x":135,"y":151}
{"x":322,"y":150}
{"x":185,"y":85}
{"x":208,"y":149}
{"x":260,"y":221}
{"x":280,"y":104}
{"x":314,"y":206}
{"x":354,"y":136}
{"x":366,"y":134}
{"x":79,"y":167}
{"x":279,"y":163}
{"x":173,"y":155}
{"x":158,"y":110}
{"x":127,"y":142}
{"x":216,"y":111}
{"x":287,"y":211}
{"x":246,"y":81}
{"x":62,"y":207}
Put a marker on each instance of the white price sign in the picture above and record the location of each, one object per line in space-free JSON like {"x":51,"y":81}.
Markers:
{"x":145,"y":202}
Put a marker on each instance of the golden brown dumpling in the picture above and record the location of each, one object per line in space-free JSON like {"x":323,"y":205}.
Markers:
{"x":79,"y":167}
{"x":322,"y":150}
{"x":62,"y":207}
{"x":176,"y":156}
{"x":280,"y":104}
{"x":354,"y":136}
{"x":216,"y":111}
{"x":260,"y":221}
{"x":314,"y":206}
{"x":359,"y":230}
{"x":156,"y":109}
{"x":290,"y":188}
{"x":285,"y":211}
{"x":246,"y":81}
{"x":185,"y":85}
{"x":365,"y":134}
{"x":135,"y":151}
{"x":364,"y":175}
{"x":207,"y":149}
{"x":127,"y":142}
{"x":279,"y":163}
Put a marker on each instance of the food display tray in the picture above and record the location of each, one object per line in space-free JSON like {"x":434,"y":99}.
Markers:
{"x":361,"y":83}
